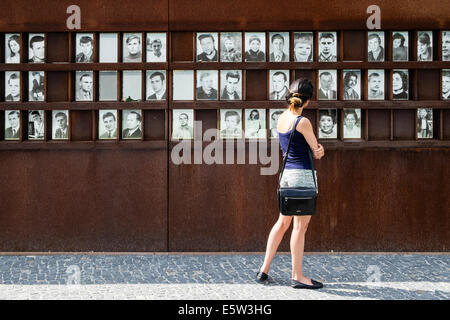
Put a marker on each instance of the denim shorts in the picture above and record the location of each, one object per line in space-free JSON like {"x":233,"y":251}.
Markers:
{"x":293,"y":178}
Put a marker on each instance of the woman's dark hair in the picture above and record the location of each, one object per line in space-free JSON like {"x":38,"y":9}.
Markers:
{"x":300,"y":91}
{"x":399,"y":36}
{"x":15,"y":38}
{"x":352,"y":112}
{"x":404,"y":78}
{"x":327,"y":113}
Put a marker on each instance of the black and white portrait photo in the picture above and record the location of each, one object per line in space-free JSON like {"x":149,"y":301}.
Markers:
{"x":375,"y":46}
{"x":303,"y":46}
{"x":36,"y":48}
{"x":400,"y":46}
{"x":231,"y":47}
{"x":327,"y":46}
{"x":84,"y":86}
{"x":279,"y":46}
{"x":352,"y":84}
{"x":107,"y":86}
{"x":12,"y":125}
{"x":131,"y":124}
{"x":131,"y":85}
{"x":108,"y":47}
{"x":156,"y":47}
{"x":107,"y":124}
{"x":36,"y":85}
{"x":12,"y":86}
{"x":279,"y":82}
{"x":255,"y":123}
{"x":60,"y":124}
{"x":207,"y":85}
{"x":12,"y":47}
{"x":352,"y":123}
{"x":424,"y":123}
{"x":230,"y":123}
{"x":328,"y":124}
{"x":132,"y":47}
{"x":446,"y":45}
{"x":274,"y":114}
{"x":446,"y":84}
{"x":255,"y":47}
{"x":424,"y":46}
{"x":207,"y":46}
{"x":327,"y":84}
{"x":84,"y":48}
{"x":182,"y":124}
{"x":36,"y":125}
{"x":230,"y":84}
{"x":183,"y":85}
{"x":156,"y":85}
{"x":400,"y":84}
{"x":375,"y":84}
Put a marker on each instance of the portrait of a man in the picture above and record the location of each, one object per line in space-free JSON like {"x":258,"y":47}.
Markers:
{"x":279,"y":81}
{"x":375,"y":84}
{"x":424,"y":123}
{"x":446,"y":84}
{"x":207,"y":47}
{"x":156,"y":85}
{"x":352,"y":84}
{"x":207,"y":85}
{"x":231,"y":47}
{"x":231,"y":124}
{"x":327,"y":85}
{"x":273,"y":121}
{"x":36,"y":126}
{"x":375,"y":46}
{"x":60,"y":124}
{"x":12,"y":84}
{"x":36,"y":86}
{"x":183,"y":124}
{"x":303,"y":46}
{"x":132,"y":121}
{"x":256,"y":47}
{"x":132,"y":51}
{"x":279,"y":46}
{"x":231,"y":84}
{"x":84,"y":85}
{"x":327,"y":47}
{"x":156,"y":47}
{"x":12,"y":125}
{"x":36,"y":51}
{"x":107,"y":124}
{"x":85,"y":48}
{"x":446,"y":45}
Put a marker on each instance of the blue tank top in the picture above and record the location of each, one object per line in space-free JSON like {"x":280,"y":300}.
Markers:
{"x":298,"y":157}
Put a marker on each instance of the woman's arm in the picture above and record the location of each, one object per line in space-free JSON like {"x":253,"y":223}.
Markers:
{"x":305,"y":128}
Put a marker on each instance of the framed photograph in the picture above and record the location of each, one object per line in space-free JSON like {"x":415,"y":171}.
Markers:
{"x":446,"y":84}
{"x":375,"y":84}
{"x":36,"y":82}
{"x":36,"y":125}
{"x":183,"y":85}
{"x":327,"y":85}
{"x":303,"y":46}
{"x":274,"y":114}
{"x":12,"y":86}
{"x":231,"y":47}
{"x":156,"y":47}
{"x":425,"y":123}
{"x":327,"y":46}
{"x":352,"y":84}
{"x":352,"y":123}
{"x":255,"y":47}
{"x":375,"y":46}
{"x":156,"y":85}
{"x":107,"y":87}
{"x":400,"y":40}
{"x":207,"y":46}
{"x":400,"y":84}
{"x":107,"y":124}
{"x":132,"y":47}
{"x":84,"y":47}
{"x":279,"y":84}
{"x":84,"y":86}
{"x":12,"y":47}
{"x":207,"y":84}
{"x":446,"y":45}
{"x":12,"y":125}
{"x":182,"y":124}
{"x":230,"y":84}
{"x":328,"y":124}
{"x":36,"y":48}
{"x":60,"y":124}
{"x":131,"y":124}
{"x":230,"y":123}
{"x":109,"y":48}
{"x":425,"y":46}
{"x":279,"y":46}
{"x":131,"y":85}
{"x":255,"y":123}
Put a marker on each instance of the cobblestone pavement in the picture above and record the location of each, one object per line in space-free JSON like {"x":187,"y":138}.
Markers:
{"x":222,"y":276}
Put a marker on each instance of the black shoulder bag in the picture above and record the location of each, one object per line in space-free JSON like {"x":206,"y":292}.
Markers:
{"x":298,"y":201}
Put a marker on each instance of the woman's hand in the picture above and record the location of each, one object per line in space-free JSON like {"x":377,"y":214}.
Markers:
{"x":319,"y":152}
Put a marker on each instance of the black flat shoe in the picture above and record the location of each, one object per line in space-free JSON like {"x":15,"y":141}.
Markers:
{"x":298,"y":285}
{"x":262,"y":277}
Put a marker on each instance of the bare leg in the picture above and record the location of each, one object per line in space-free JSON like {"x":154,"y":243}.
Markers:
{"x":297,"y":247}
{"x":275,"y":236}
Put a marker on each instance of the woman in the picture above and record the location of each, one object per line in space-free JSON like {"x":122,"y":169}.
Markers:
{"x":297,"y":173}
{"x":424,"y":52}
{"x":14,"y":48}
{"x":399,"y":51}
{"x":351,"y":125}
{"x":399,"y":85}
{"x":253,"y":125}
{"x":425,"y":124}
{"x":327,"y":124}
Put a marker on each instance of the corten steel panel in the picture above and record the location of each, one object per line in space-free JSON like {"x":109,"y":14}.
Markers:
{"x":223,"y":208}
{"x":99,"y":200}
{"x":404,"y":124}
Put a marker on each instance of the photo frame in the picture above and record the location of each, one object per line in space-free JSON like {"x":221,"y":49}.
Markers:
{"x":424,"y":123}
{"x":207,"y":85}
{"x":274,"y":114}
{"x":352,"y":123}
{"x":352,"y":84}
{"x":107,"y":86}
{"x":231,"y":46}
{"x":327,"y":124}
{"x":445,"y":88}
{"x":183,"y":85}
{"x":132,"y":124}
{"x":327,"y":46}
{"x":279,"y":84}
{"x":327,"y":85}
{"x":13,"y":47}
{"x":132,"y":47}
{"x":60,"y":124}
{"x":36,"y":125}
{"x":400,"y":84}
{"x":400,"y":46}
{"x":375,"y":84}
{"x":303,"y":47}
{"x":156,"y":85}
{"x":36,"y":86}
{"x":424,"y":45}
{"x":131,"y":85}
{"x":182,"y":124}
{"x":207,"y":47}
{"x":375,"y":46}
{"x":107,"y":124}
{"x":12,"y":125}
{"x":279,"y":46}
{"x":12,"y":86}
{"x":230,"y":123}
{"x":255,"y":123}
{"x":36,"y":48}
{"x":445,"y":46}
{"x":156,"y":46}
{"x":108,"y":47}
{"x":84,"y":52}
{"x":230,"y":84}
{"x":84,"y":86}
{"x":255,"y":47}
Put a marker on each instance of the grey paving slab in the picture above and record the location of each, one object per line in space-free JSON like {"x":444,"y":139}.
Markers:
{"x":222,"y":277}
